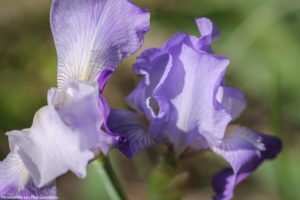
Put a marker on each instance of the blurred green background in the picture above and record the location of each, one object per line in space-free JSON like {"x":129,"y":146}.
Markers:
{"x":260,"y":37}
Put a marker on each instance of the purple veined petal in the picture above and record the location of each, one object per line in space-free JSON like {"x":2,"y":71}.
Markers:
{"x":13,"y":175}
{"x":104,"y":76}
{"x":15,"y":180}
{"x":65,"y":132}
{"x":152,"y":65}
{"x":190,"y":87}
{"x":184,"y":84}
{"x":244,"y":150}
{"x":147,"y":63}
{"x":130,"y":127}
{"x":95,"y":35}
{"x":185,"y":72}
{"x":232,"y":99}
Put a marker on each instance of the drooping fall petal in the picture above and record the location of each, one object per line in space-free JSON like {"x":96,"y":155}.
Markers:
{"x":244,"y":150}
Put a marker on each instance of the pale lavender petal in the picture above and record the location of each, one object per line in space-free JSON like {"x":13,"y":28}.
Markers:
{"x":65,"y":132}
{"x":86,"y":112}
{"x":50,"y":148}
{"x":95,"y":35}
{"x":244,"y":150}
{"x":182,"y":93}
{"x":15,"y":180}
{"x":141,"y":96}
{"x":152,"y":64}
{"x":232,"y":99}
{"x":190,"y":87}
{"x":13,"y":174}
{"x":128,"y":125}
{"x":209,"y":33}
{"x":182,"y":86}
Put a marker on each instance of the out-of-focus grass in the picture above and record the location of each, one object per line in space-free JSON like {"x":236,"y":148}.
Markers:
{"x":260,"y":37}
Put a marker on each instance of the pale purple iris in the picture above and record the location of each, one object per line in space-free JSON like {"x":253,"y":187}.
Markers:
{"x":186,"y":101}
{"x":92,"y":37}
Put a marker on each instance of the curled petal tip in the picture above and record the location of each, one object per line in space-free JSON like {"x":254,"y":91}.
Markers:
{"x":208,"y":28}
{"x":104,"y":76}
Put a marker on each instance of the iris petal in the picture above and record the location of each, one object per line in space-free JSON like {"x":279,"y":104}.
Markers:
{"x":244,"y":150}
{"x":15,"y":180}
{"x":232,"y":99}
{"x":64,"y":133}
{"x":13,"y":174}
{"x":184,"y":82}
{"x":95,"y":35}
{"x":190,"y":88}
{"x":134,"y":131}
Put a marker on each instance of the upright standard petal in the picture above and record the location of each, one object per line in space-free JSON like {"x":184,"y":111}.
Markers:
{"x":15,"y":181}
{"x":182,"y":88}
{"x":64,"y":133}
{"x":190,"y":88}
{"x":132,"y":128}
{"x":95,"y":35}
{"x":182,"y":92}
{"x":244,"y":150}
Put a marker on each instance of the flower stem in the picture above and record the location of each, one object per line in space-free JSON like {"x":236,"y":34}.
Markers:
{"x":111,"y":183}
{"x":283,"y":174}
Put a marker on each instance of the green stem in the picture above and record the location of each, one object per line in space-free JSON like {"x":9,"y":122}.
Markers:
{"x":275,"y":115}
{"x":111,"y":183}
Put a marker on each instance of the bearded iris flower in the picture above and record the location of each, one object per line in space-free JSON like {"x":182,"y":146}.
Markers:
{"x":183,"y":95}
{"x":92,"y":37}
{"x":186,"y":101}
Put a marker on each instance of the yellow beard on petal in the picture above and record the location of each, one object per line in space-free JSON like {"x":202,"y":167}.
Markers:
{"x":83,"y":76}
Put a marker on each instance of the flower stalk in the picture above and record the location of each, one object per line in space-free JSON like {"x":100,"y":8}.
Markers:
{"x":109,"y":178}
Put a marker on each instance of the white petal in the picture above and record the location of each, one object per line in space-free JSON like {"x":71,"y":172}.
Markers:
{"x":50,"y":148}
